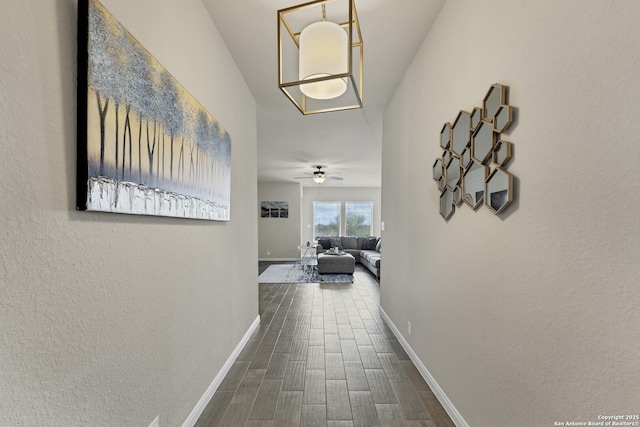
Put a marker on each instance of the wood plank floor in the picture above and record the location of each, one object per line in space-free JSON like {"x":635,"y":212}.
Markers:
{"x":323,"y":356}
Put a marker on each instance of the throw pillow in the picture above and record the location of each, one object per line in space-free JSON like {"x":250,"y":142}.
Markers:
{"x":368,"y":243}
{"x":379,"y":246}
{"x":349,"y":242}
{"x":325,"y":243}
{"x":336,"y":242}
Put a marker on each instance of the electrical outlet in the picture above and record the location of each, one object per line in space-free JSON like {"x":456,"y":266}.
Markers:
{"x":268,"y":253}
{"x":409,"y":328}
{"x":155,"y":423}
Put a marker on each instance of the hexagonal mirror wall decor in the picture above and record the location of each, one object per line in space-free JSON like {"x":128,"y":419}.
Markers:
{"x":476,"y":116}
{"x":470,"y":146}
{"x":437,"y":169}
{"x":473,"y":183}
{"x":446,"y":204}
{"x":502,"y":119}
{"x":457,"y":196}
{"x":502,"y":153}
{"x":460,"y":133}
{"x":453,"y":173}
{"x":445,"y":136}
{"x":482,"y":142}
{"x":465,"y":158}
{"x":493,"y":100}
{"x":446,"y":157}
{"x":499,"y":190}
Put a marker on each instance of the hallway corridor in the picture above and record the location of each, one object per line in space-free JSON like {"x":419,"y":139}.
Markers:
{"x":323,"y":356}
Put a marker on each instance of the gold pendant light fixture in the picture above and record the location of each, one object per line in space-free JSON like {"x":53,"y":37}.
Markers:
{"x":317,"y":58}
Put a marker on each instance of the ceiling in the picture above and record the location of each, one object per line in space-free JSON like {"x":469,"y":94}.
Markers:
{"x":348,"y":142}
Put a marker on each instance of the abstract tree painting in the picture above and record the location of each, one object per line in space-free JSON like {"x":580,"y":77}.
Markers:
{"x":145,"y":145}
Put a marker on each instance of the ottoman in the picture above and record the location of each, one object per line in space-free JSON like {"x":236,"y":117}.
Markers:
{"x":336,"y":264}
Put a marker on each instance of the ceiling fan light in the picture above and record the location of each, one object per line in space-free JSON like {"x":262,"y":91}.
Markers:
{"x":323,"y":53}
{"x":319,"y":179}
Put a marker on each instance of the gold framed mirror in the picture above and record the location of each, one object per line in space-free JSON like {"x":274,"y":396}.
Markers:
{"x":452,"y":173}
{"x":499,"y":191}
{"x":457,"y":196}
{"x":446,"y":157}
{"x":460,"y":133}
{"x":495,"y":97}
{"x":465,"y":157}
{"x":472,"y":168}
{"x":447,"y":208}
{"x":482,"y":142}
{"x":502,"y":153}
{"x":473,"y":184}
{"x":437,"y":169}
{"x":476,"y":116}
{"x":445,"y":136}
{"x":502,"y":118}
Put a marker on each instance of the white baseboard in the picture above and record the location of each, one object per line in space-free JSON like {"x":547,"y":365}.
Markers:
{"x":437,"y":390}
{"x":208,"y":394}
{"x":279,"y":259}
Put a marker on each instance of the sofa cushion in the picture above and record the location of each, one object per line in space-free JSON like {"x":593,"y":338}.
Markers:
{"x":325,"y":243}
{"x":379,"y":246}
{"x":336,"y":242}
{"x":349,"y":242}
{"x":368,"y":243}
{"x":371,"y":260}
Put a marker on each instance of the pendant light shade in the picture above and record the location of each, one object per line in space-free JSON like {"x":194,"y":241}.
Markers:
{"x":320,"y":56}
{"x":323,"y":53}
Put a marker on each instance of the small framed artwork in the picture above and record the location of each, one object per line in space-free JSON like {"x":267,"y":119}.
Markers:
{"x":274,"y":209}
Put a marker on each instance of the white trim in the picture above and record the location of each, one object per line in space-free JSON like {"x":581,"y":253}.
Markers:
{"x":437,"y":390}
{"x":208,"y":394}
{"x":278,"y":259}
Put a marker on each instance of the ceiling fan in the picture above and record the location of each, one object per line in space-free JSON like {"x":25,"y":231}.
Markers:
{"x":320,"y":176}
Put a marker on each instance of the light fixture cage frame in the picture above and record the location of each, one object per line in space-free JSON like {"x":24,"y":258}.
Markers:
{"x":291,"y":88}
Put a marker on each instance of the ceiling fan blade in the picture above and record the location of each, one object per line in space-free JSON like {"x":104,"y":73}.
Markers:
{"x":320,"y":174}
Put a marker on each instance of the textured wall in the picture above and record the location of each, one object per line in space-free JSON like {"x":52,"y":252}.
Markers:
{"x":279,"y":236}
{"x":531,"y":317}
{"x":112,"y":319}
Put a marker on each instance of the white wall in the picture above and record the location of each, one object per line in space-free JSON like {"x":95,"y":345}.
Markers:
{"x":110,"y":319}
{"x":338,"y":194}
{"x":279,"y":238}
{"x":531,"y":317}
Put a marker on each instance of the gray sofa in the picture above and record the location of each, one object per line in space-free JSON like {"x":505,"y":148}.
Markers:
{"x":366,"y":250}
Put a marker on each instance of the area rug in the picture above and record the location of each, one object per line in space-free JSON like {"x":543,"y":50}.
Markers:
{"x":293,"y":273}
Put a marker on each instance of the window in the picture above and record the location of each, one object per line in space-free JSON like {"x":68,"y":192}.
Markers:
{"x":326,"y":219}
{"x":358,"y":218}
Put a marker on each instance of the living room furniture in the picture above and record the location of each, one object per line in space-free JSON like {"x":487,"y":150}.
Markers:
{"x":365,"y":250}
{"x":336,"y":264}
{"x":308,"y":257}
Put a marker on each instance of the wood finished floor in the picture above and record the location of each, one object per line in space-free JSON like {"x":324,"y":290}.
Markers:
{"x":323,"y":356}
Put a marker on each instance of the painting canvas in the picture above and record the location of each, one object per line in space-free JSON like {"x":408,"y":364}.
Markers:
{"x":274,"y":209}
{"x":145,"y":145}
